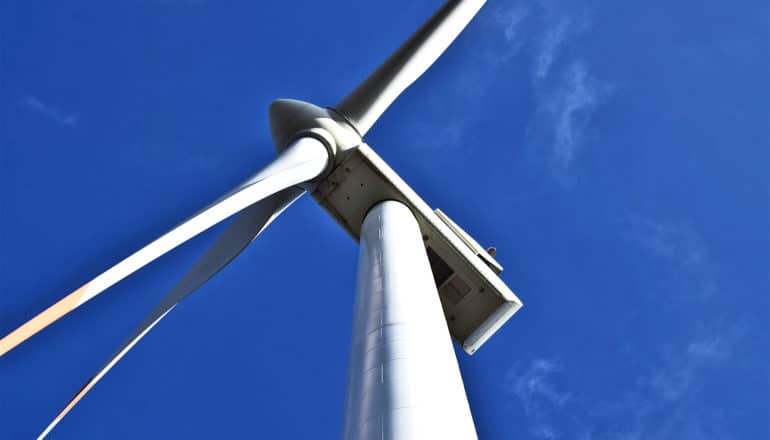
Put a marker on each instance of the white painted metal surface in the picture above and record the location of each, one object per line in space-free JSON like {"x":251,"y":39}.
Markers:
{"x":403,"y":378}
{"x":246,"y":226}
{"x":404,"y":381}
{"x":302,"y":161}
{"x":475,"y":299}
{"x":367,"y":102}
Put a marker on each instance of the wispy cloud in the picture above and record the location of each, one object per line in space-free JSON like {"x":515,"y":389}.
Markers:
{"x":533,"y":385}
{"x":49,"y":111}
{"x":565,"y":110}
{"x":567,"y":94}
{"x":549,"y":46}
{"x":680,"y":247}
{"x":666,"y":395}
{"x":667,"y":240}
{"x":535,"y":38}
{"x":558,"y":28}
{"x":712,"y":348}
{"x":545,"y":432}
{"x":667,"y":398}
{"x":664,"y":402}
{"x":511,"y":21}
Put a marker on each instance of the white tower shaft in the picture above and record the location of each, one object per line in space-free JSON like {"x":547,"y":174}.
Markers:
{"x":403,"y":377}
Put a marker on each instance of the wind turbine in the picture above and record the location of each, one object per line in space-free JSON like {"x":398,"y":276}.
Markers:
{"x":421,"y":278}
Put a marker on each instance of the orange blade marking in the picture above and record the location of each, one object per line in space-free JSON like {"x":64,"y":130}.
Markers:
{"x":41,"y":321}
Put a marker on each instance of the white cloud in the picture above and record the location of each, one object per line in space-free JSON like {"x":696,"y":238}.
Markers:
{"x":682,"y":248}
{"x":566,"y":92}
{"x":667,"y":240}
{"x":670,"y":393}
{"x":532,"y":384}
{"x":546,"y":432}
{"x":663,"y":403}
{"x":549,"y":46}
{"x":566,"y":111}
{"x":663,"y":397}
{"x":47,"y":110}
{"x":670,"y":382}
{"x":713,"y":348}
{"x":511,"y":22}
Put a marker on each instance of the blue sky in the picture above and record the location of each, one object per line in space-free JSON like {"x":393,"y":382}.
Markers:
{"x":616,"y":154}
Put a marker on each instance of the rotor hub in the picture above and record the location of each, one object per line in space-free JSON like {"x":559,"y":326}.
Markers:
{"x":291,"y":119}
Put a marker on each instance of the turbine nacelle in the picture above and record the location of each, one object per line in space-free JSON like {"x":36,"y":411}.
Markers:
{"x":475,"y":301}
{"x":322,"y":151}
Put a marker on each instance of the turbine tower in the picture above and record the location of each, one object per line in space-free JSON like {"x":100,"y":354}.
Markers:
{"x":421,"y":280}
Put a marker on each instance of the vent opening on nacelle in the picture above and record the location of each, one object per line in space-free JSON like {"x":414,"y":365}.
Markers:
{"x":441,"y":271}
{"x":455,"y":290}
{"x":451,"y":287}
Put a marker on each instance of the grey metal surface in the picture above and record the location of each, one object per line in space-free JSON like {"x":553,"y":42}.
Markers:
{"x":403,"y":377}
{"x":304,"y":160}
{"x":476,"y":301}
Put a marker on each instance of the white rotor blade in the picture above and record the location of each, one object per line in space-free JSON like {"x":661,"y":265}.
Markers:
{"x":364,"y":105}
{"x":244,"y":228}
{"x":302,"y":161}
